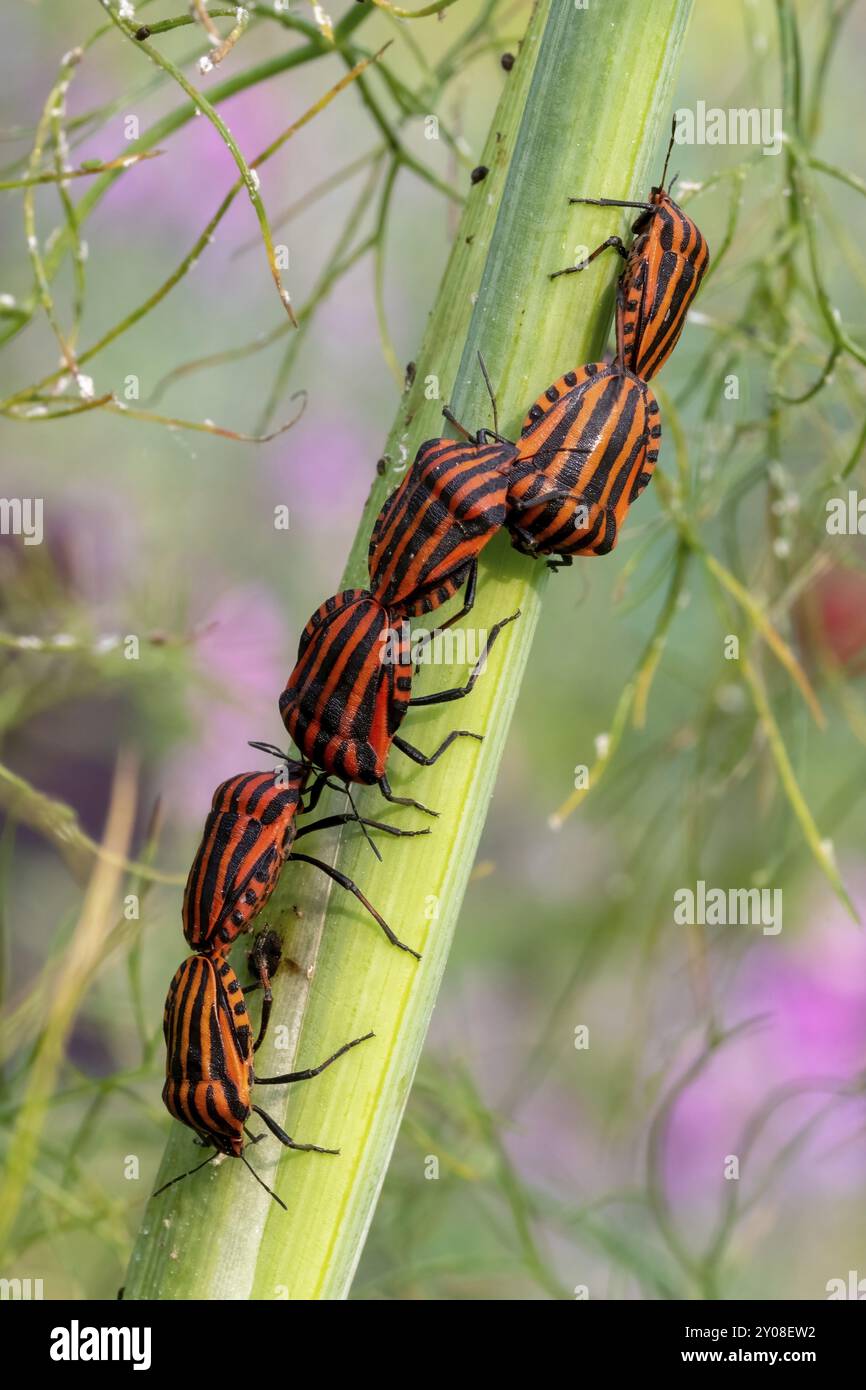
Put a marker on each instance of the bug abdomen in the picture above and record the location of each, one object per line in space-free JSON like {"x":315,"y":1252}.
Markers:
{"x":437,"y":522}
{"x":337,"y":704}
{"x":594,"y":442}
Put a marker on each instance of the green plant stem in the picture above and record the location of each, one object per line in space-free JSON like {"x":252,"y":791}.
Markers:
{"x":581,"y":113}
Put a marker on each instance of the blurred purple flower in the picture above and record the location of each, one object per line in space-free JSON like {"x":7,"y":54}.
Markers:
{"x":89,"y":536}
{"x":194,"y":173}
{"x":812,"y":994}
{"x":324,"y":472}
{"x":494,"y":1026}
{"x":241,"y":656}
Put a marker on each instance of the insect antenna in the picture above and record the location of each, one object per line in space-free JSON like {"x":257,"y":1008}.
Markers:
{"x":364,"y":831}
{"x":491,"y":393}
{"x":261,"y":1183}
{"x":344,"y":788}
{"x":271,"y":749}
{"x":171,"y":1182}
{"x":452,"y":420}
{"x":668,"y":155}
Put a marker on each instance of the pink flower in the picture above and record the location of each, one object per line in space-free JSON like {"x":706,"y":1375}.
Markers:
{"x":812,"y":996}
{"x":242,"y":657}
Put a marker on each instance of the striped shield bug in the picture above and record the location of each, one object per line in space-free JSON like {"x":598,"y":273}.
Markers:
{"x":352,"y":687}
{"x":429,"y":533}
{"x":663,"y":270}
{"x":248,"y":836}
{"x":587,"y":449}
{"x":427,"y":538}
{"x":209,"y":1063}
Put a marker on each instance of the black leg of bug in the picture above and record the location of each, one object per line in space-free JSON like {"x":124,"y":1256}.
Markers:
{"x":352,"y":818}
{"x":442,"y":697}
{"x":385,"y":788}
{"x":526,"y":504}
{"x":613,"y":203}
{"x":613,"y":242}
{"x":353,"y":888}
{"x":323,"y":780}
{"x":330,"y":822}
{"x":523,"y":542}
{"x":309,"y":1072}
{"x":428,"y":759}
{"x":314,"y":793}
{"x":468,"y":598}
{"x":263,"y":960}
{"x":284,"y":1138}
{"x":468,"y":604}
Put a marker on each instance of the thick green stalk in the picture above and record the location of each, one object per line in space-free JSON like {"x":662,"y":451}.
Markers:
{"x":580,"y":114}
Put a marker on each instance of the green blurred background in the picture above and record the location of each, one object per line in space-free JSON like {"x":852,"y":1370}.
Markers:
{"x":561,"y":1167}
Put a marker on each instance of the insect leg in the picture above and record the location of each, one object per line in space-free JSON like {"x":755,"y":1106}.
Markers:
{"x":612,"y":203}
{"x":284,"y":1138}
{"x":523,"y":541}
{"x":468,"y":605}
{"x":329,"y":822}
{"x":309,"y":1072}
{"x":353,"y":888}
{"x":444,"y":696}
{"x":385,"y":788}
{"x":525,"y":504}
{"x":615,"y":242}
{"x":263,"y":960}
{"x":428,"y":759}
{"x":314,"y":795}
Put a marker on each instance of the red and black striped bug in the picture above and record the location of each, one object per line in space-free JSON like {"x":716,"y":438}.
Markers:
{"x":352,"y":687}
{"x":588,"y":448}
{"x":429,"y":533}
{"x":209,"y":1063}
{"x":664,"y":267}
{"x":249,"y":835}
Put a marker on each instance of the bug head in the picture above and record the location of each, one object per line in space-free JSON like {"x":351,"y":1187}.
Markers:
{"x":229,"y":1145}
